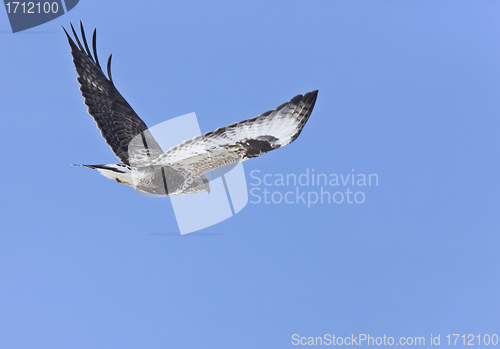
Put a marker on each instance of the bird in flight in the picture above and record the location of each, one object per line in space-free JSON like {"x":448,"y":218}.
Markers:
{"x":181,"y":169}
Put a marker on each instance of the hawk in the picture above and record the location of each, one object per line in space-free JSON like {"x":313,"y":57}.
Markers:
{"x":180,"y":170}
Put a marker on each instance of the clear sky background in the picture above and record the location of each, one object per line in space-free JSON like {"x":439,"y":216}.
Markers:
{"x":408,"y":90}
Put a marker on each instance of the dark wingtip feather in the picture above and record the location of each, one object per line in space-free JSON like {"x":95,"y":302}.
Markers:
{"x":308,"y":100}
{"x":314,"y":93}
{"x":296,"y":99}
{"x":70,"y":40}
{"x":76,"y":37}
{"x":94,"y":46}
{"x":84,"y":39}
{"x":109,"y":68}
{"x":85,"y":50}
{"x":65,"y":32}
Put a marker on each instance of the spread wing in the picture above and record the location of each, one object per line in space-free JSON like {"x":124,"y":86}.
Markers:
{"x":243,"y":140}
{"x":116,"y":119}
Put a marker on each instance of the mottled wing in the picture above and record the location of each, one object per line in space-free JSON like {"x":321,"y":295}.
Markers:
{"x":116,"y":119}
{"x":243,"y":140}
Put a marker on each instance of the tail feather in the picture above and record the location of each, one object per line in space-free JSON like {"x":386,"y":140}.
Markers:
{"x":120,"y":172}
{"x":113,"y":168}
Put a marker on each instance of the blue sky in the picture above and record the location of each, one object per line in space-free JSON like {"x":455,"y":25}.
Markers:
{"x":408,"y":90}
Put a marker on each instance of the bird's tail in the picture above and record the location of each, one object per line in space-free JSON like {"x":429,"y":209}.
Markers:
{"x":119,"y":172}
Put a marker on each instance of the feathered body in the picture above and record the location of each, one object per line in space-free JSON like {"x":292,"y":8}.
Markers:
{"x":181,"y":169}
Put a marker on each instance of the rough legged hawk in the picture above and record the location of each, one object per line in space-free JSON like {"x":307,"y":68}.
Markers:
{"x":180,"y":170}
